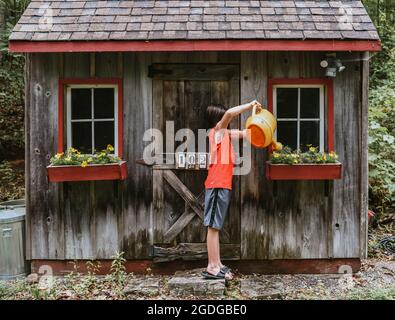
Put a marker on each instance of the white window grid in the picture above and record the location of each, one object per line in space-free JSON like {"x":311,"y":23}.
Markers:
{"x":298,"y":119}
{"x":92,"y":120}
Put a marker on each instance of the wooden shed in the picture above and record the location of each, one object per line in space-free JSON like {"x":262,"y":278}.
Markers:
{"x":105,"y":72}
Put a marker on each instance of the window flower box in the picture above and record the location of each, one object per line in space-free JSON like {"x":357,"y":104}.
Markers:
{"x":304,"y":171}
{"x":309,"y":165}
{"x":108,"y":171}
{"x":74,"y":166}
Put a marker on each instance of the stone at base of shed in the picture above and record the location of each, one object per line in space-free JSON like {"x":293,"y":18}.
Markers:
{"x":280,"y":266}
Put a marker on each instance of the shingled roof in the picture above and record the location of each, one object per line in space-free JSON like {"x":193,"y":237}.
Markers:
{"x":59,"y":20}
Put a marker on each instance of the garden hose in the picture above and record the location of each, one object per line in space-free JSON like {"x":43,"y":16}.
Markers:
{"x":387,"y":244}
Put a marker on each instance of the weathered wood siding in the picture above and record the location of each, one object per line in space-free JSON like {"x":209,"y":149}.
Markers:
{"x":349,"y":139}
{"x":46,"y":220}
{"x":300,"y":219}
{"x":91,"y":220}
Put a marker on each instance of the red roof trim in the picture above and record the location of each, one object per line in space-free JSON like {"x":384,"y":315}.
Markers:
{"x":195,"y":45}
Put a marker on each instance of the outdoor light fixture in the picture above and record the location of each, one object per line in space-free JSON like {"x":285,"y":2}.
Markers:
{"x":332,"y":66}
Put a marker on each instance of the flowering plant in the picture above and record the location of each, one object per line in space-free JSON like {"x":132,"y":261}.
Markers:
{"x":74,"y":157}
{"x":288,"y":156}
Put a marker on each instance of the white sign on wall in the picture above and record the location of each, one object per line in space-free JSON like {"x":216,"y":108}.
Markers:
{"x":192,"y":160}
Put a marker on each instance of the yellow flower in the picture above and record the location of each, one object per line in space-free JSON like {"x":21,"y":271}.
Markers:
{"x":333,"y":155}
{"x":312,"y":149}
{"x":324,"y":156}
{"x":89,"y":160}
{"x":68,"y":159}
{"x":110,"y":147}
{"x":58,"y":155}
{"x":103,"y":154}
{"x":276,"y":155}
{"x":72,"y":150}
{"x":295,"y":161}
{"x":84,"y":164}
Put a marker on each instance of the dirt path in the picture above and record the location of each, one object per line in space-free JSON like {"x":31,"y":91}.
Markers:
{"x":376,"y":280}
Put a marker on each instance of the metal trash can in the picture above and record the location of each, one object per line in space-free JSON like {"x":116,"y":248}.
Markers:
{"x":12,"y":239}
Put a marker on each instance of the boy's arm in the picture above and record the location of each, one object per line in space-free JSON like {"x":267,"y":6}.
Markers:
{"x":238,"y":134}
{"x":234,"y":112}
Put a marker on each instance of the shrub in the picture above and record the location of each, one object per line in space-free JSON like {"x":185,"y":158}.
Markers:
{"x":382,"y":110}
{"x":11,"y":182}
{"x":382,"y":129}
{"x":373,"y":294}
{"x":11,"y":86}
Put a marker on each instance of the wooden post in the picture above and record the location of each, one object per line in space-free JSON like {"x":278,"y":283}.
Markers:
{"x":27,"y":153}
{"x":254,"y":220}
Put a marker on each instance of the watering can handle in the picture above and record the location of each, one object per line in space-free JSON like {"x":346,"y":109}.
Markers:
{"x":254,"y":110}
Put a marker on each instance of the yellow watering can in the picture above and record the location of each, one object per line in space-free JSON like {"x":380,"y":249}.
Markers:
{"x":262,"y":126}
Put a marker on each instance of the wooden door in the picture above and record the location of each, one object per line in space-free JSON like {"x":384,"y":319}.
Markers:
{"x":181,"y":93}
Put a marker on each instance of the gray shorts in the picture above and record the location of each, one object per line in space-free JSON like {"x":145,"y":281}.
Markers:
{"x":216,"y":205}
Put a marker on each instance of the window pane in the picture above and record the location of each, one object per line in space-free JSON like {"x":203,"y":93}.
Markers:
{"x":104,"y":103}
{"x":82,"y":136}
{"x":287,"y":102}
{"x":310,"y":103}
{"x":81,"y":105}
{"x":309,"y":134}
{"x":104,"y":134}
{"x":287,"y":133}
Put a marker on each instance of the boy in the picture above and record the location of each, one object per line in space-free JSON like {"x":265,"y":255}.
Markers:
{"x":219,"y":181}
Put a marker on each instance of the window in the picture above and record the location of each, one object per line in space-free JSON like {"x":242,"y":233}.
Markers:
{"x":93,"y":115}
{"x":301,"y":112}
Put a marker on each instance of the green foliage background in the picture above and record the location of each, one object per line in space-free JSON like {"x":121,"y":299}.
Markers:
{"x":382,"y":110}
{"x":11,"y":85}
{"x":11,"y":106}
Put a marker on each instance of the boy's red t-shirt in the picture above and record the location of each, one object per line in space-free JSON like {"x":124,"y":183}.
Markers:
{"x":220,"y":172}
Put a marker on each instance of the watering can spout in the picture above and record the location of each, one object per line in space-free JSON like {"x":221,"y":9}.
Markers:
{"x":262,"y":125}
{"x":276,"y":146}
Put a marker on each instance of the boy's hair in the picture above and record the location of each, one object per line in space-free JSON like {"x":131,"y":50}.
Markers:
{"x":214,"y":114}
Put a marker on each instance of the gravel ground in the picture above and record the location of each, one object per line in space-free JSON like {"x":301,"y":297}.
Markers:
{"x":375,"y":280}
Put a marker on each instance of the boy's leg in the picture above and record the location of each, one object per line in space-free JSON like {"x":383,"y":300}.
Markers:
{"x":216,"y":207}
{"x":221,"y":265}
{"x":213,"y":266}
{"x":213,"y":251}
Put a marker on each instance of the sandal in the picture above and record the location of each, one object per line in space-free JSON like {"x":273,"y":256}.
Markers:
{"x":219,"y":275}
{"x":226,"y":269}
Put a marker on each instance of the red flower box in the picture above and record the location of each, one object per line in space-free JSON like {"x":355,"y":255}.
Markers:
{"x":304,"y":171}
{"x":111,"y":171}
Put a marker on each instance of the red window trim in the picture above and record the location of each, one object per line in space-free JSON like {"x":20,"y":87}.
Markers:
{"x":330,"y":101}
{"x":67,"y":81}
